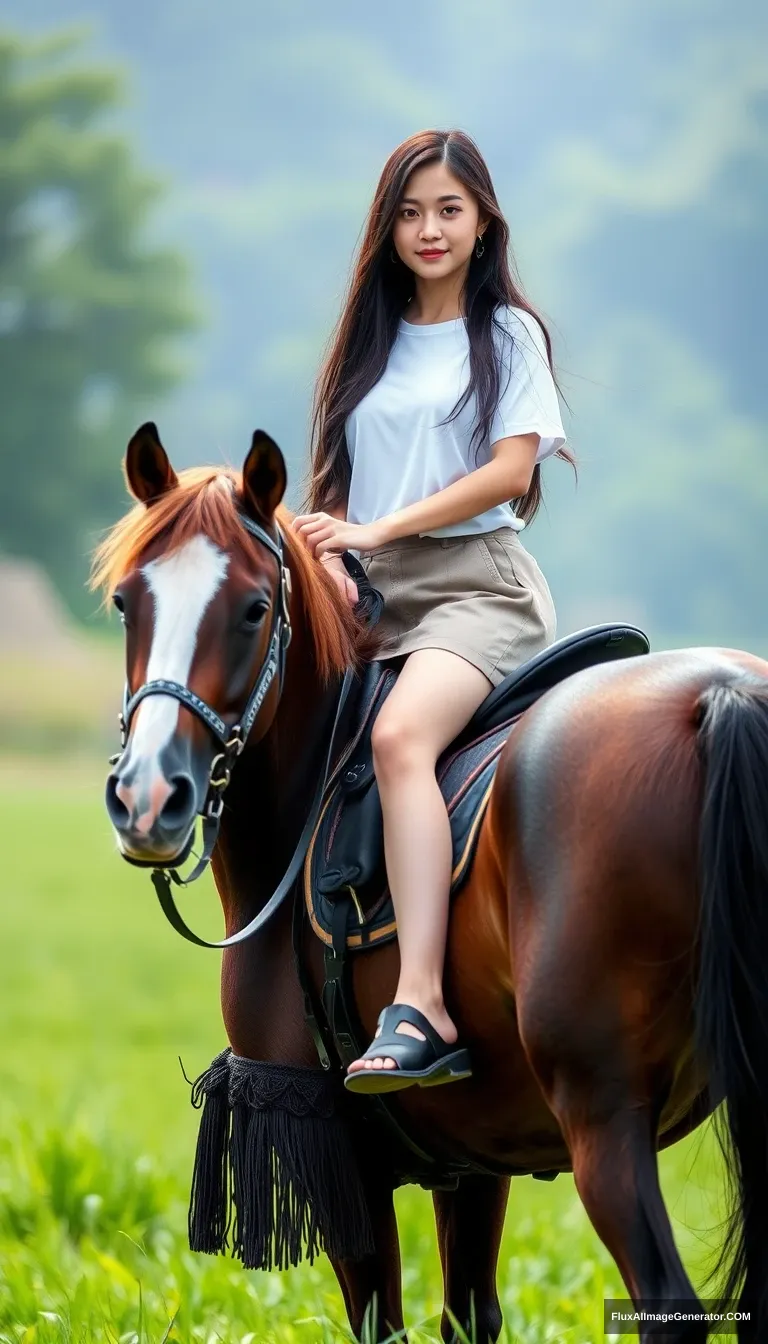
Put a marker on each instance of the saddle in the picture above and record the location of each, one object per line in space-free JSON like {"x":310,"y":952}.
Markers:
{"x":345,"y":885}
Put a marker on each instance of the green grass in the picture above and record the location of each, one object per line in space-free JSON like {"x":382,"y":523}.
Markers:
{"x":98,"y":998}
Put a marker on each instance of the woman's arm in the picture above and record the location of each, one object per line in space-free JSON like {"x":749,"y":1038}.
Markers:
{"x":506,"y":477}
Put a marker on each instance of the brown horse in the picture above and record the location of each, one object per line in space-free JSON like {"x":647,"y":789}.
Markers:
{"x":606,"y":956}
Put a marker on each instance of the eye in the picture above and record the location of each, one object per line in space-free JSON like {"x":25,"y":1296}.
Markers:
{"x":119,"y":604}
{"x":254,"y":614}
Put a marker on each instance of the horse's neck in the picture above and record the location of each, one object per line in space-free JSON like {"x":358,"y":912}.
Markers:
{"x":270,"y":796}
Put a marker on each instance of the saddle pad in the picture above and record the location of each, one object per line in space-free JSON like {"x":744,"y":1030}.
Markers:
{"x":345,"y":884}
{"x":358,"y":876}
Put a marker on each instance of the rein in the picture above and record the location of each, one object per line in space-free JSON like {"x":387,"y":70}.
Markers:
{"x":232,"y":740}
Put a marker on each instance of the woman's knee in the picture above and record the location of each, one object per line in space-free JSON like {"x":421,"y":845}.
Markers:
{"x":397,"y":745}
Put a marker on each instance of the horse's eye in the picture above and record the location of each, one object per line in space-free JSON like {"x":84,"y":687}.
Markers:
{"x":119,"y":604}
{"x":254,"y":613}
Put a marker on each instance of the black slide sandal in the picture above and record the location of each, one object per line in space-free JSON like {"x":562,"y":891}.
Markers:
{"x":422,"y":1063}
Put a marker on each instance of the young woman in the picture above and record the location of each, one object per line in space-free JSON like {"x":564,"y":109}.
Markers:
{"x":432,"y":412}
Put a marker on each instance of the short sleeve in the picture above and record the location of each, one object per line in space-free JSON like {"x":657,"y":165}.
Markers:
{"x":528,"y":401}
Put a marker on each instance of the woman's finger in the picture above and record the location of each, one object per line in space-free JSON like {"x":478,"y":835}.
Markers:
{"x":320,"y":534}
{"x":317,"y":529}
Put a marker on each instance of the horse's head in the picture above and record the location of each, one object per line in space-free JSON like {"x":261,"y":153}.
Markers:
{"x":195,"y":571}
{"x":195,"y":591}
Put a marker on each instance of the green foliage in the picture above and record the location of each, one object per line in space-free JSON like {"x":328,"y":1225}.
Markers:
{"x":88,"y":304}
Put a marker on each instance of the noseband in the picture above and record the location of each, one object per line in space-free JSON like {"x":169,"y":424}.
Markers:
{"x":232,"y":740}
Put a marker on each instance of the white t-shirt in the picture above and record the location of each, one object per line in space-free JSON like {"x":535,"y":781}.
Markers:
{"x":399,"y":451}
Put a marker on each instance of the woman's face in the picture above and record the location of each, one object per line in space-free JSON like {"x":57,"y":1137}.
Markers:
{"x":437,"y":223}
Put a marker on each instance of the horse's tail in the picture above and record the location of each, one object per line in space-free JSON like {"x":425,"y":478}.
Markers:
{"x":732,"y":991}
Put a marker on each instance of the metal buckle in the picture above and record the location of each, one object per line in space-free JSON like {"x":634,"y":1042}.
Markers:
{"x":215,"y":807}
{"x":221,"y":781}
{"x":285,"y":593}
{"x":232,"y":749}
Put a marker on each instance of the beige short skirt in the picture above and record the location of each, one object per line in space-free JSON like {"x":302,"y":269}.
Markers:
{"x":481,"y":596}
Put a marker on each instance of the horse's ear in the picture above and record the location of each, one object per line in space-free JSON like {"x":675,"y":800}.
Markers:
{"x":264,"y":476}
{"x":147,"y":469}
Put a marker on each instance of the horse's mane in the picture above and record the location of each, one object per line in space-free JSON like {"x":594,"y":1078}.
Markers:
{"x":207,"y":500}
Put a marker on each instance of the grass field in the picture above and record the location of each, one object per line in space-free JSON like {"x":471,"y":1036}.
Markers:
{"x":98,"y":998}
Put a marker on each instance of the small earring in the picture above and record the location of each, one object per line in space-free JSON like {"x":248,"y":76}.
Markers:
{"x":479,"y":246}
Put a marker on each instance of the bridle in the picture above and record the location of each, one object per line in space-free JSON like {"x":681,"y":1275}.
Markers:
{"x":232,"y":739}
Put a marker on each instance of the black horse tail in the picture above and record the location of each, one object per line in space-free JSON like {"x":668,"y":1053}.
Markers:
{"x":732,"y":989}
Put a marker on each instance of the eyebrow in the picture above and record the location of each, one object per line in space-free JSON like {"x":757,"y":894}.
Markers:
{"x":413,"y":200}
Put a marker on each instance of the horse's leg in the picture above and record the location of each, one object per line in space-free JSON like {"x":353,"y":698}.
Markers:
{"x":470,"y":1221}
{"x":373,"y":1285}
{"x":611,"y":1138}
{"x":616,"y":1174}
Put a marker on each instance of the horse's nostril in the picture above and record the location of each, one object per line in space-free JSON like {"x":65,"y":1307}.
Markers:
{"x":118,"y":813}
{"x":180,"y":803}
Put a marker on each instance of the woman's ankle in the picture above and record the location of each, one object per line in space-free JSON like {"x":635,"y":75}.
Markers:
{"x":427,"y":998}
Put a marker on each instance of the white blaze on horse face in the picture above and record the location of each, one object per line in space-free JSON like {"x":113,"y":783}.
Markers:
{"x":182,"y":585}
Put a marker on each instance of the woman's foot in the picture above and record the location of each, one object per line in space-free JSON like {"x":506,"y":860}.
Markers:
{"x":437,"y":1016}
{"x":411,"y":1053}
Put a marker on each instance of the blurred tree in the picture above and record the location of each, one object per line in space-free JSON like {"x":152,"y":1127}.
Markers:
{"x":88,"y":305}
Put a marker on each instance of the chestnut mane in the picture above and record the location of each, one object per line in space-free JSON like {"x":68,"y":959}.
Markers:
{"x":207,"y":500}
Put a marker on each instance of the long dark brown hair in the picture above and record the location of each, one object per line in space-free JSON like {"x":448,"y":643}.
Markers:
{"x":377,"y":295}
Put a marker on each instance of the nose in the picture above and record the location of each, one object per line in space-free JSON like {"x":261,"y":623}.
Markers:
{"x":179,"y":806}
{"x":154,"y":814}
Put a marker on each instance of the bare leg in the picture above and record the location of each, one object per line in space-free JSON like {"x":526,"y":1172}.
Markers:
{"x":435,"y":696}
{"x":470,"y":1221}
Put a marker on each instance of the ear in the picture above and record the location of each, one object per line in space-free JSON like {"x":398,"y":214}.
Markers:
{"x":264,"y":476}
{"x":147,"y":469}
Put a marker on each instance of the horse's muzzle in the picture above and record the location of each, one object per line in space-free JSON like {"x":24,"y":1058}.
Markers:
{"x":153,"y":813}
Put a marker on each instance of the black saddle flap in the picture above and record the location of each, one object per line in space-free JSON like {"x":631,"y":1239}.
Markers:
{"x":358,"y":850}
